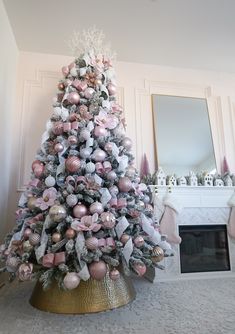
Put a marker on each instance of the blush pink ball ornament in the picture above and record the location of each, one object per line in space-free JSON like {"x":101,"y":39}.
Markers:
{"x":108,"y":220}
{"x":99,"y":155}
{"x":71,"y":281}
{"x":34,"y":239}
{"x":79,"y":211}
{"x":39,"y":170}
{"x":111,"y":175}
{"x":100,"y":131}
{"x":108,"y":147}
{"x":72,"y":140}
{"x":140,"y":269}
{"x":124,"y":184}
{"x":65,"y":70}
{"x":72,"y":164}
{"x":96,"y":207}
{"x":139,"y":241}
{"x":114,"y":274}
{"x":27,"y":233}
{"x":98,"y":270}
{"x":58,"y":147}
{"x":127,"y":143}
{"x":124,"y":238}
{"x":71,"y":200}
{"x":89,"y":92}
{"x":112,"y":89}
{"x":92,"y":243}
{"x":73,"y":98}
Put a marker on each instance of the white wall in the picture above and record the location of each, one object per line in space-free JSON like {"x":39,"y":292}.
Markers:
{"x":8,"y":68}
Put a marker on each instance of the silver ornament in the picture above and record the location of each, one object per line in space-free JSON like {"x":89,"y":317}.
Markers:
{"x":34,"y":239}
{"x":71,"y":200}
{"x":90,"y":167}
{"x":50,"y":181}
{"x":57,"y":213}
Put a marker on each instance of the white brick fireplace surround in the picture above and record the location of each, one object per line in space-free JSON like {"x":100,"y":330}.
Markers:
{"x":201,"y":206}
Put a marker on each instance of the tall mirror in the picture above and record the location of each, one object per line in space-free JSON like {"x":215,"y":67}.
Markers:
{"x":183,"y":135}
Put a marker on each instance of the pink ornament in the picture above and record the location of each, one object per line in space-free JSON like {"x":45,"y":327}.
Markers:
{"x":36,"y":163}
{"x":58,"y":147}
{"x":79,"y":211}
{"x":34,"y":239}
{"x":27,"y":233}
{"x":89,"y":92}
{"x":72,"y":164}
{"x":92,"y":243}
{"x":139,"y":241}
{"x":98,"y":270}
{"x":112,"y":89}
{"x":140,"y":269}
{"x":65,"y":70}
{"x":25,"y":271}
{"x":71,"y":200}
{"x":71,"y":65}
{"x":71,"y":281}
{"x":70,"y":233}
{"x":73,"y":98}
{"x":108,"y":147}
{"x":127,"y":143}
{"x":58,"y":128}
{"x":99,"y":155}
{"x":124,"y":238}
{"x":108,"y":220}
{"x":96,"y":207}
{"x":114,"y":274}
{"x":72,"y":140}
{"x":39,"y":170}
{"x":111,"y":175}
{"x":56,"y":237}
{"x":100,"y":131}
{"x":124,"y":184}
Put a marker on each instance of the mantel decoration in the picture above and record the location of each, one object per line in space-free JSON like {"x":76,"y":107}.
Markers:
{"x":85,"y":221}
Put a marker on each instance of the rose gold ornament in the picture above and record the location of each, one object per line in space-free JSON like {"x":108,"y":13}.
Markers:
{"x":25,"y":271}
{"x":73,"y":98}
{"x":72,"y":140}
{"x":65,"y":70}
{"x":98,"y":270}
{"x":58,"y":147}
{"x":71,"y":200}
{"x":108,"y":220}
{"x":60,"y":86}
{"x":96,"y":207}
{"x":124,"y":184}
{"x":70,"y":233}
{"x":99,"y":155}
{"x":157,"y":254}
{"x":108,"y":147}
{"x":39,"y":170}
{"x":139,"y":241}
{"x":140,"y":269}
{"x":114,"y":274}
{"x":71,"y":281}
{"x":127,"y":143}
{"x":124,"y":238}
{"x":34,"y":239}
{"x":79,"y":211}
{"x":89,"y":92}
{"x":56,"y":237}
{"x":57,"y":213}
{"x":72,"y":164}
{"x":31,"y":204}
{"x":112,"y":89}
{"x":27,"y":233}
{"x":92,"y":243}
{"x":58,"y":128}
{"x":100,"y":131}
{"x":36,"y":163}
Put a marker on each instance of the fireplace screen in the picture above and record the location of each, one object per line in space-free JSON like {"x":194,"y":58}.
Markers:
{"x":204,"y":248}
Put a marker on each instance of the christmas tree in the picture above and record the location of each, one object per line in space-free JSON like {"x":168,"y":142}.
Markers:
{"x":84,"y":213}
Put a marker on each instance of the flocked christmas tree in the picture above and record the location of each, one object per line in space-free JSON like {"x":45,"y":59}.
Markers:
{"x":85,"y":212}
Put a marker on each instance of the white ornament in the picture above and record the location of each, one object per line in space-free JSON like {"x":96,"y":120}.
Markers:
{"x":71,"y":200}
{"x":90,"y":167}
{"x":50,"y":181}
{"x":73,"y":71}
{"x":71,"y":280}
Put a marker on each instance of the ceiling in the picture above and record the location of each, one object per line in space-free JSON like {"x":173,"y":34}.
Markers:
{"x":182,"y":33}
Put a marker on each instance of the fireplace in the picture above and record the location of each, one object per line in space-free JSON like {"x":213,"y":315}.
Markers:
{"x":204,"y":248}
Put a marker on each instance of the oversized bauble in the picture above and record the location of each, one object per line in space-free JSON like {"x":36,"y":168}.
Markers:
{"x":71,"y":281}
{"x":114,"y":274}
{"x":112,"y":89}
{"x":50,"y":181}
{"x":27,"y":233}
{"x":157,"y":254}
{"x":27,"y":247}
{"x":72,"y":164}
{"x":114,"y":191}
{"x":99,"y":155}
{"x":127,"y":143}
{"x":65,"y":70}
{"x":25,"y":271}
{"x":124,"y":238}
{"x":12,"y":264}
{"x":98,"y":270}
{"x":108,"y":220}
{"x":31,"y":204}
{"x":79,"y":211}
{"x":38,"y":170}
{"x":100,"y":131}
{"x":56,"y":237}
{"x":72,"y":140}
{"x":61,"y":86}
{"x":139,"y":241}
{"x":89,"y":92}
{"x":140,"y":269}
{"x":57,"y":213}
{"x":70,"y":233}
{"x":90,"y":167}
{"x":130,"y":171}
{"x":85,"y":153}
{"x":92,"y":243}
{"x":58,"y":147}
{"x":124,"y":184}
{"x":73,"y":98}
{"x":34,"y":239}
{"x":71,"y":200}
{"x":111,"y":176}
{"x":96,"y":207}
{"x":58,"y":128}
{"x":108,"y":147}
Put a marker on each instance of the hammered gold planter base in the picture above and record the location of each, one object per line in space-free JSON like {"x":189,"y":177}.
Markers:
{"x":89,"y":297}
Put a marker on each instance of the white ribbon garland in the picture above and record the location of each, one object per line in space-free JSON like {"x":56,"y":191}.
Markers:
{"x":121,"y":226}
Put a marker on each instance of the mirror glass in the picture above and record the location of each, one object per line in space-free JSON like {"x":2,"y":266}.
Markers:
{"x":183,"y":135}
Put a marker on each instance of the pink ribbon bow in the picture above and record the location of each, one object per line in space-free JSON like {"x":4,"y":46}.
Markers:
{"x":52,"y":260}
{"x":108,"y":242}
{"x":103,"y":168}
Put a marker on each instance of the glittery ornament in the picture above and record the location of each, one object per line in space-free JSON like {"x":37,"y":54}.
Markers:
{"x":65,"y":70}
{"x":157,"y":254}
{"x":57,"y":213}
{"x":58,"y":147}
{"x":108,"y":220}
{"x":56,"y":237}
{"x":27,"y":247}
{"x":12,"y":264}
{"x":71,"y":281}
{"x":90,"y":167}
{"x":71,"y":200}
{"x":111,"y":175}
{"x":99,"y":155}
{"x":96,"y":207}
{"x":124,"y":238}
{"x":92,"y":243}
{"x":79,"y":211}
{"x":89,"y":92}
{"x":70,"y":233}
{"x":72,"y":140}
{"x":127,"y":143}
{"x":124,"y":184}
{"x":58,"y":128}
{"x":34,"y":239}
{"x":73,"y":98}
{"x":27,"y":233}
{"x":31,"y":204}
{"x":85,"y":153}
{"x":140,"y":269}
{"x":72,"y":164}
{"x":139,"y":241}
{"x":114,"y":274}
{"x":98,"y":270}
{"x":84,"y":135}
{"x":50,"y":181}
{"x":100,"y":131}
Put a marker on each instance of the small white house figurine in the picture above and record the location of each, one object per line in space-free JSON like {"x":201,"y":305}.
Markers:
{"x":171,"y":180}
{"x":207,"y":180}
{"x":228,"y":181}
{"x":182,"y":181}
{"x":193,"y":182}
{"x":218,"y":183}
{"x":160,"y":177}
